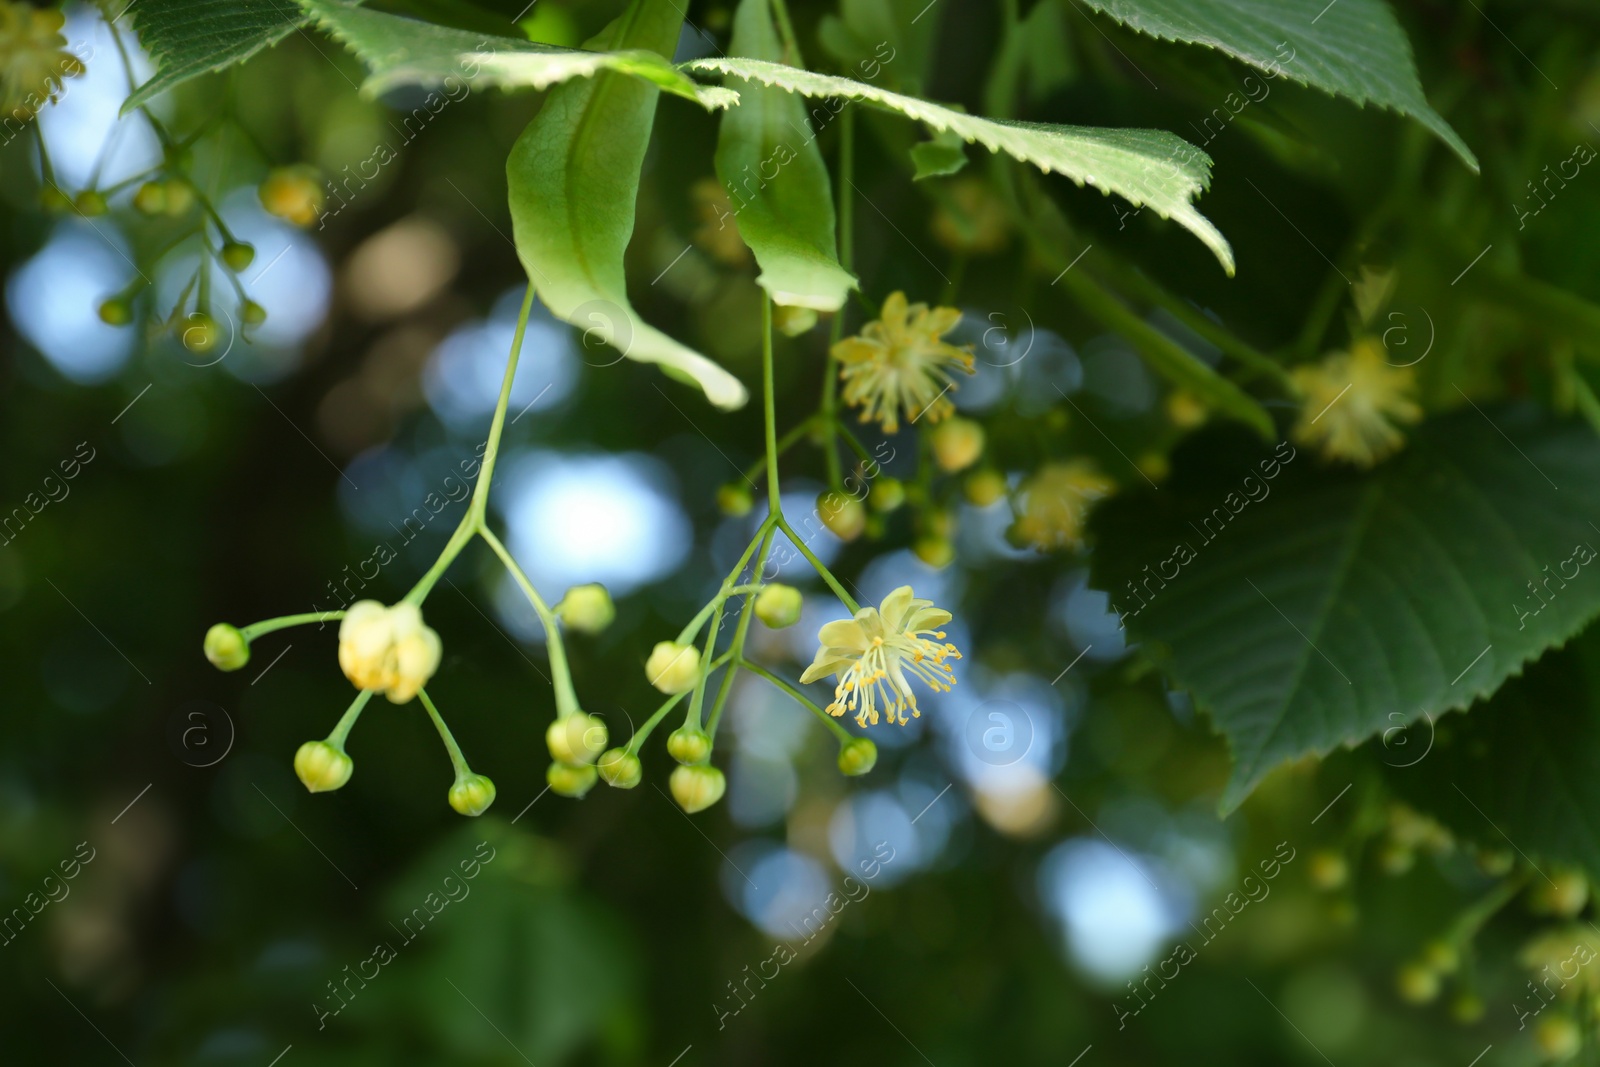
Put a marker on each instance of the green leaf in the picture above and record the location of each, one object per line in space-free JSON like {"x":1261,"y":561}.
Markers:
{"x":1303,"y":619}
{"x":402,"y":51}
{"x":188,"y":38}
{"x":1147,"y":167}
{"x":944,"y":154}
{"x":1350,"y":48}
{"x":786,"y":218}
{"x":574,"y":178}
{"x":883,"y":40}
{"x":1525,"y":765}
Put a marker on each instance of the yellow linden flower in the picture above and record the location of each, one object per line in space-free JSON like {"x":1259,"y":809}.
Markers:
{"x":1055,"y":503}
{"x":1351,"y":403}
{"x":33,"y":59}
{"x":899,"y":362}
{"x":873,"y":652}
{"x":389,"y":649}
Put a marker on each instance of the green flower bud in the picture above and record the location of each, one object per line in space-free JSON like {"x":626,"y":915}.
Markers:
{"x":1558,"y":1037}
{"x":150,"y":199}
{"x":673,"y":668}
{"x":734,"y":500}
{"x":844,"y":515}
{"x":238,"y":255}
{"x":587,"y":608}
{"x":936,"y":552}
{"x":957,"y":444}
{"x":1417,"y":983}
{"x":571,"y":781}
{"x":688,"y":745}
{"x":887,"y":494}
{"x":1441,"y":956}
{"x":180,"y":197}
{"x":322,"y":767}
{"x":90,"y":203}
{"x":1467,"y":1008}
{"x":697,"y":788}
{"x":793,"y":321}
{"x":620,"y":768}
{"x":576,"y":739}
{"x":226,"y":647}
{"x":779,"y":606}
{"x":252,"y":313}
{"x":200,"y":333}
{"x":1564,"y":894}
{"x":54,"y":200}
{"x":857,"y":756}
{"x":116,"y":311}
{"x":472,"y":795}
{"x":1328,"y":870}
{"x":984,"y":487}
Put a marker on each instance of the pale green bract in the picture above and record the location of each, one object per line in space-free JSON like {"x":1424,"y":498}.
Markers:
{"x":1349,"y":48}
{"x":403,"y":51}
{"x":776,"y":181}
{"x":1147,"y":167}
{"x":573,"y":179}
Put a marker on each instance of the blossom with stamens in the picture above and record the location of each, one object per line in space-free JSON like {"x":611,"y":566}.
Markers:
{"x":33,"y":59}
{"x":1353,"y":402}
{"x":901,"y":363}
{"x":876,"y":654}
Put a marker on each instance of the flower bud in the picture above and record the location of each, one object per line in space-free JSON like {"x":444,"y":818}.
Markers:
{"x":54,"y":200}
{"x":620,"y":768}
{"x":984,"y":487}
{"x":779,"y":606}
{"x":571,"y":781}
{"x":936,"y":552}
{"x":1417,"y":983}
{"x":180,"y":197}
{"x":252,"y":313}
{"x":687,"y":744}
{"x":1185,"y":410}
{"x":576,"y":739}
{"x":472,"y":795}
{"x":697,"y":788}
{"x":1563,"y":894}
{"x":844,"y":515}
{"x":587,"y":608}
{"x":857,"y":756}
{"x":117,"y":311}
{"x":90,"y":203}
{"x":673,"y":668}
{"x":734,"y":500}
{"x":793,"y":321}
{"x":200,"y":333}
{"x":238,"y":255}
{"x":292,"y":193}
{"x":887,"y":494}
{"x":1328,"y":870}
{"x":322,"y":767}
{"x":1441,"y":956}
{"x":957,"y":443}
{"x":150,"y":199}
{"x":226,"y":647}
{"x":1558,"y":1037}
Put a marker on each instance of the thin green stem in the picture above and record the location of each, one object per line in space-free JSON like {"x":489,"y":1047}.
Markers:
{"x":283,"y":622}
{"x":692,"y":628}
{"x":829,"y":721}
{"x":786,"y":442}
{"x":457,"y":760}
{"x":769,"y":397}
{"x":855,"y":444}
{"x":480,"y":495}
{"x":347,"y":721}
{"x":696,"y":702}
{"x":642,"y":734}
{"x":818,"y":566}
{"x":791,"y":43}
{"x":737,"y":649}
{"x":560,"y":674}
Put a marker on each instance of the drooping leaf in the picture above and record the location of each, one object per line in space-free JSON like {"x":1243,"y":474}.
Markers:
{"x":1350,"y":48}
{"x":1523,"y":766}
{"x":941,"y":155}
{"x":785,"y":216}
{"x":188,"y":38}
{"x":1147,"y":167}
{"x":1304,"y":608}
{"x":573,"y":177}
{"x":404,"y":51}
